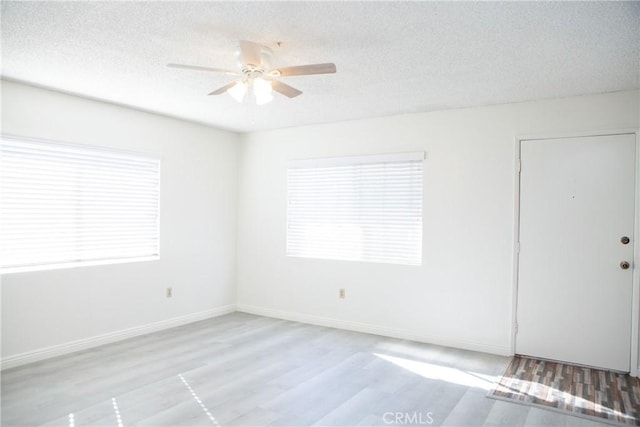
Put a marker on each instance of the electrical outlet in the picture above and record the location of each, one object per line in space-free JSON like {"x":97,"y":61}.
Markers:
{"x":169,"y":292}
{"x":341,"y":293}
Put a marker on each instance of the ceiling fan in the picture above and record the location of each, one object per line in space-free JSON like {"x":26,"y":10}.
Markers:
{"x":256,"y":74}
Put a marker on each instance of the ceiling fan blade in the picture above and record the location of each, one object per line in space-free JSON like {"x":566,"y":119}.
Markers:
{"x":303,"y":70}
{"x":224,"y":88}
{"x":199,"y":68}
{"x":284,"y":89}
{"x":251,"y":53}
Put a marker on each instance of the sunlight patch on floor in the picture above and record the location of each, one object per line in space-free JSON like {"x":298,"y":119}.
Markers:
{"x":197,"y":399}
{"x":117,"y":411}
{"x":443,"y":373}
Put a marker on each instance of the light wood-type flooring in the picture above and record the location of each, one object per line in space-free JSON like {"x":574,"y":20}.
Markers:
{"x":246,"y":370}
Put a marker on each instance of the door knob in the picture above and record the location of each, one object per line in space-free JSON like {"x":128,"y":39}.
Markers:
{"x":624,"y":240}
{"x":624,"y":265}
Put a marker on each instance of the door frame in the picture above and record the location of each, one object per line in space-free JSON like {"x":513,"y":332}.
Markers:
{"x":635,"y":292}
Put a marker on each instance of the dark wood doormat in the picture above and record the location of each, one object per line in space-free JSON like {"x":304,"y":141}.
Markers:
{"x":584,"y":392}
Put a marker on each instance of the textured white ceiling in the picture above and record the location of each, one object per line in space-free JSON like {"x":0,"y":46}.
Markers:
{"x":392,"y":57}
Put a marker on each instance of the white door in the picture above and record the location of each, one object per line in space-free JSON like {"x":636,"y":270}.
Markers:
{"x":576,"y":207}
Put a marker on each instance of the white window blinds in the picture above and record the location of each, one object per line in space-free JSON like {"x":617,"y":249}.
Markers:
{"x":66,"y":204}
{"x":365,"y":208}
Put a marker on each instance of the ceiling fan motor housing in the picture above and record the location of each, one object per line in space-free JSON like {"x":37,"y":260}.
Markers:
{"x":266,"y":55}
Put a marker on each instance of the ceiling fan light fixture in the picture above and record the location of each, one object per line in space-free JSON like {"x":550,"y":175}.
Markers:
{"x":257,"y":77}
{"x":238,"y":91}
{"x":262,"y":91}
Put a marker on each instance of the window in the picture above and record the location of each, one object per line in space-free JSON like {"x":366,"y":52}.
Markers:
{"x":67,"y":205}
{"x":356,"y":208}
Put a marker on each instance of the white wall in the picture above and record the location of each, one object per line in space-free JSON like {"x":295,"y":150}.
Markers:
{"x":462,"y":294}
{"x":198,"y":236}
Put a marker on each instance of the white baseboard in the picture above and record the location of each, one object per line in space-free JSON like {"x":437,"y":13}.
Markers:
{"x":70,"y":347}
{"x":374,"y":329}
{"x":83,"y":344}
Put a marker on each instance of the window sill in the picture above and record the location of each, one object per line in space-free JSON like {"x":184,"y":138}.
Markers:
{"x":32,"y":268}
